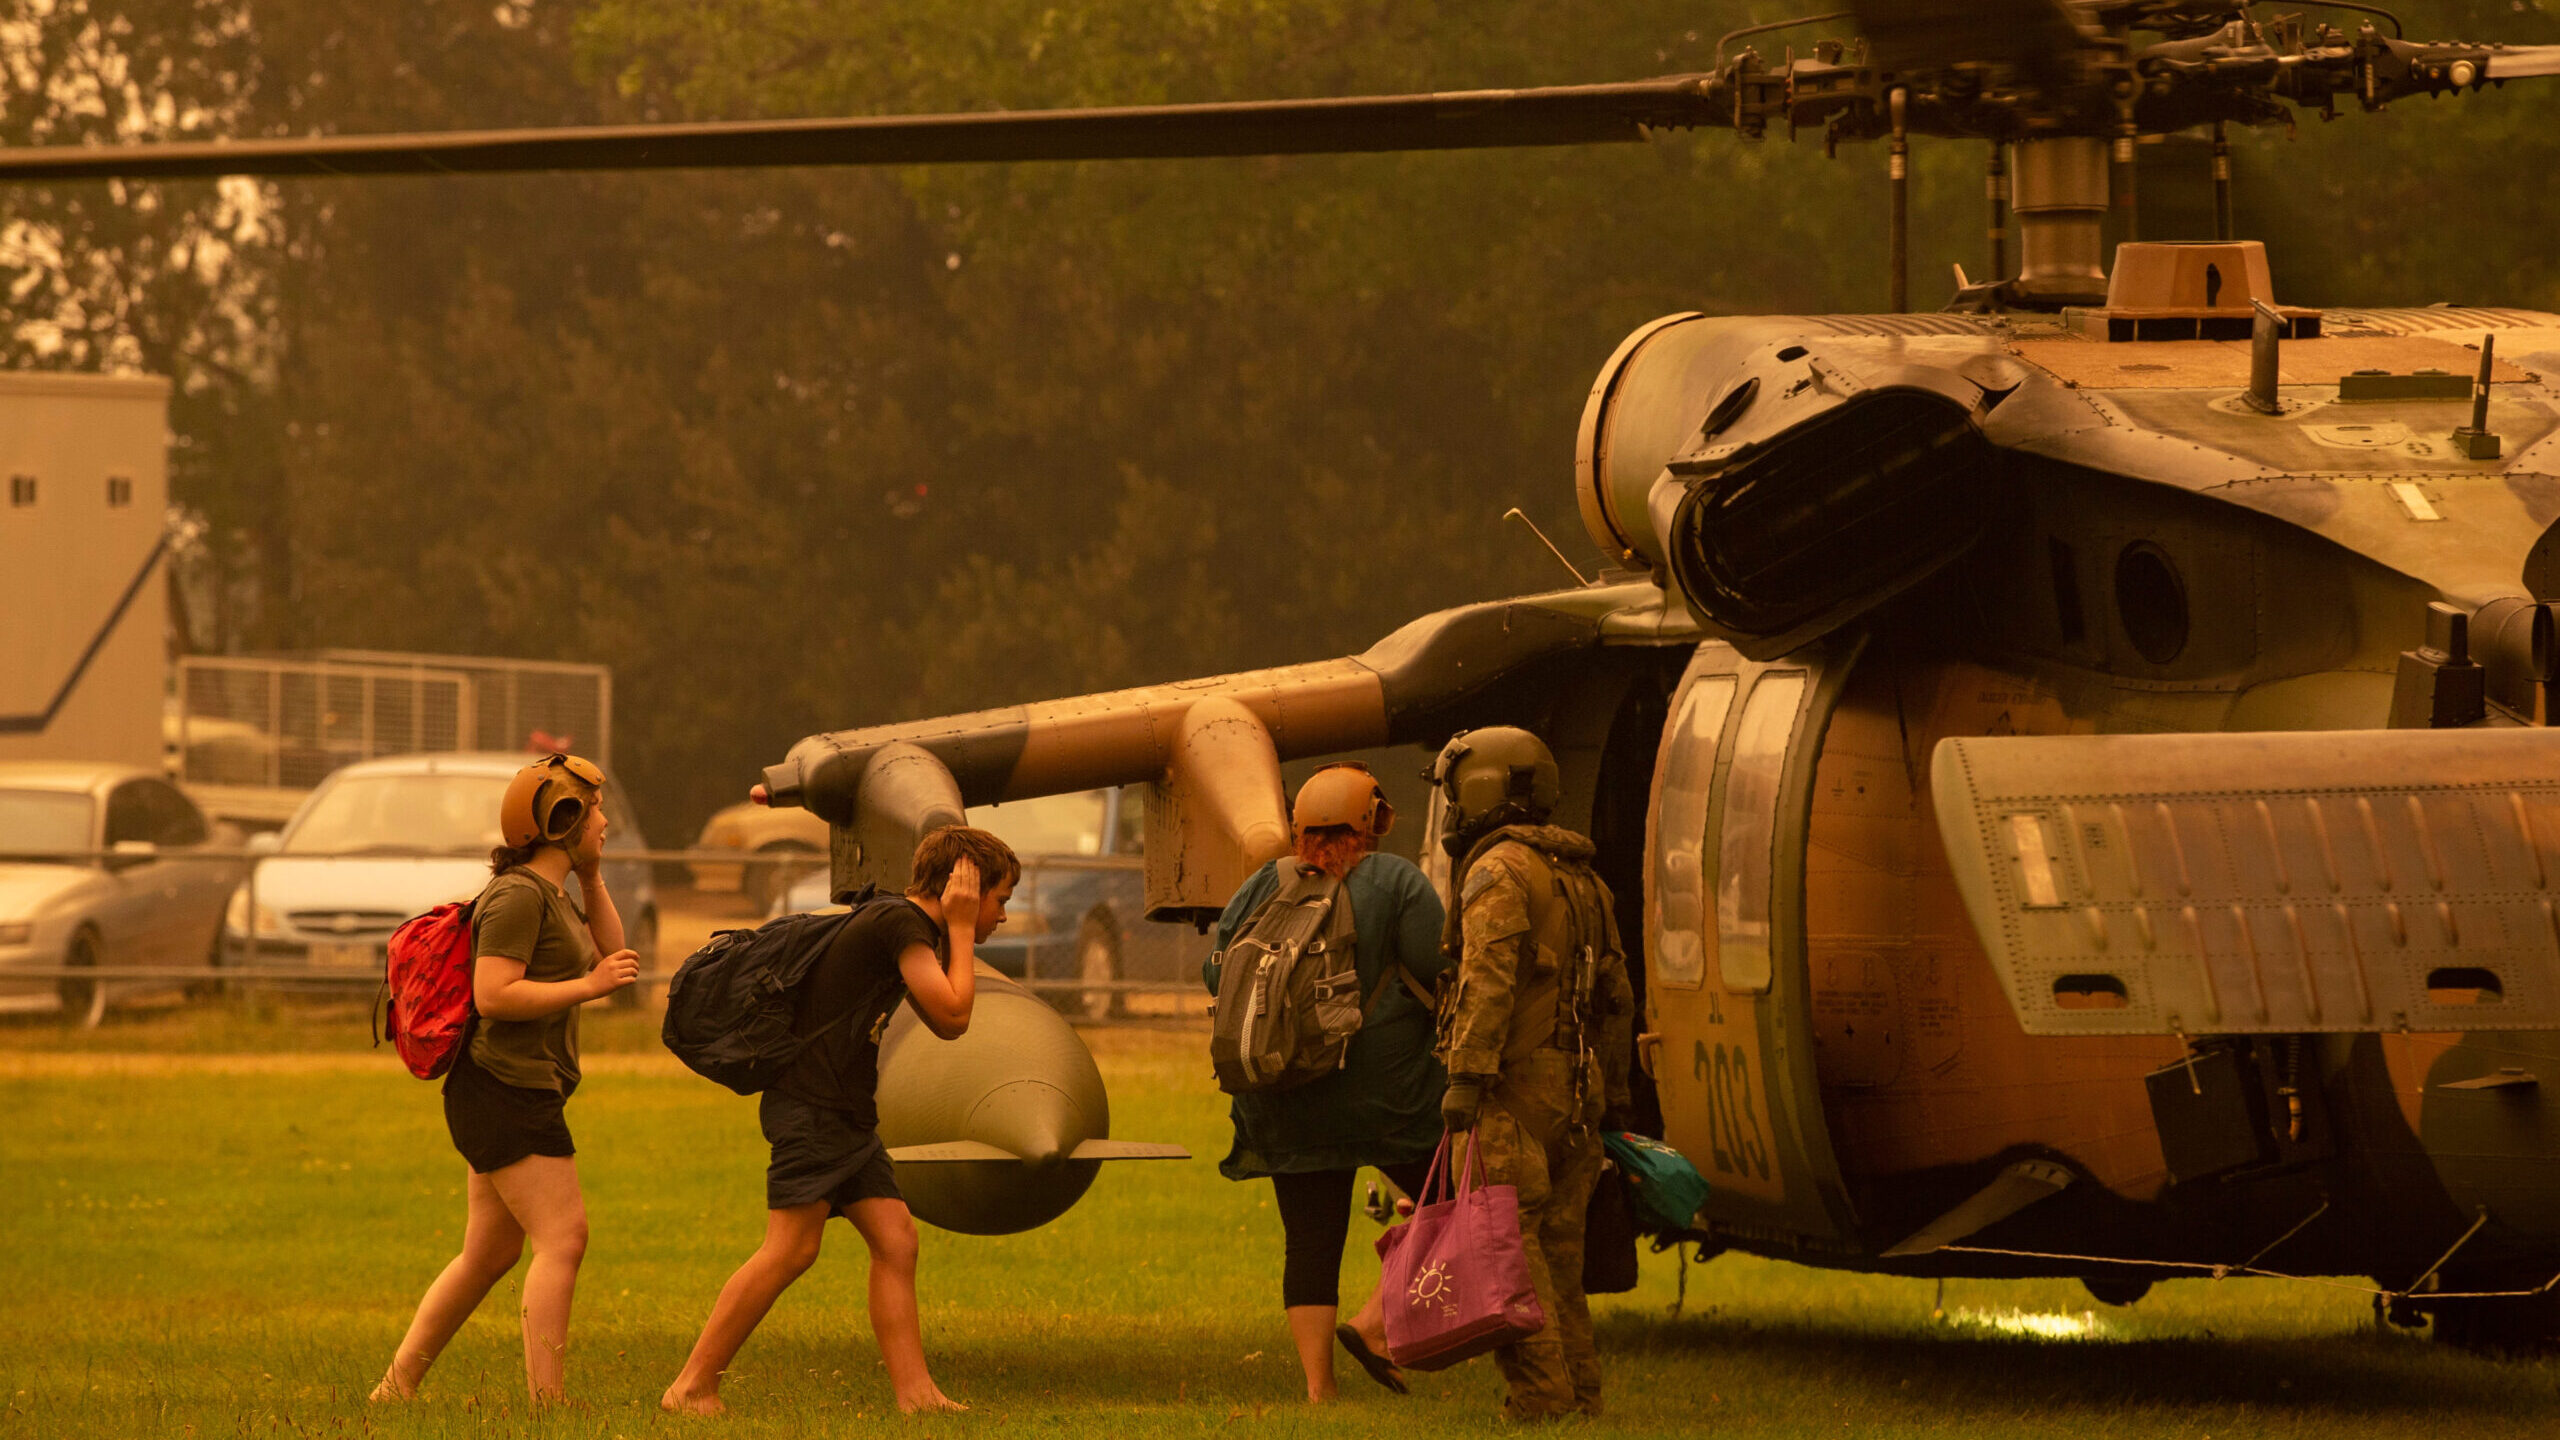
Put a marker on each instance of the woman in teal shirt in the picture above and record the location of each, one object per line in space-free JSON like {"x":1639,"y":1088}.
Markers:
{"x":1382,"y":1107}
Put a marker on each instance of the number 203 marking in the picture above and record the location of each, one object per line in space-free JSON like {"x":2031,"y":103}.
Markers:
{"x":1735,"y":1144}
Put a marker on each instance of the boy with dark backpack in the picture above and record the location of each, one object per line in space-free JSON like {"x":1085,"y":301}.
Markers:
{"x":822,"y":1119}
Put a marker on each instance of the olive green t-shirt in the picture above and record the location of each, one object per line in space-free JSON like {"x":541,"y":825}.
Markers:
{"x":521,"y":916}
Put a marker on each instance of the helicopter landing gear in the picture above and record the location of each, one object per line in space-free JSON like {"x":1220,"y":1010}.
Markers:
{"x":2115,"y":1289}
{"x":2504,"y":1325}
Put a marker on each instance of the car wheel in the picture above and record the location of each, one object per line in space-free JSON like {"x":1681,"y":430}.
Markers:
{"x":84,"y":1001}
{"x":211,"y":984}
{"x":1097,"y":959}
{"x":643,"y":938}
{"x":769,"y":882}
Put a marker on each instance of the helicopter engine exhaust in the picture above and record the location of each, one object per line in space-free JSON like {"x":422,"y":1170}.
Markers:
{"x":1784,"y":542}
{"x":1782,"y":486}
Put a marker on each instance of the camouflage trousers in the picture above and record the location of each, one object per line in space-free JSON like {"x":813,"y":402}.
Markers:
{"x":1528,"y":1143}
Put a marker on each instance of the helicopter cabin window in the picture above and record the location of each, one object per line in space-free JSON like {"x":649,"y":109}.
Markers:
{"x":2151,"y":602}
{"x":1679,"y":880}
{"x":1744,"y":868}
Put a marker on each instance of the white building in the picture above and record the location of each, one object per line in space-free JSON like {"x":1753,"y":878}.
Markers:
{"x":84,"y":609}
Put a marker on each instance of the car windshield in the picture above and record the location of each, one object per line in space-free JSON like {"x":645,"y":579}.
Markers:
{"x":37,"y":822}
{"x":1049,"y":825}
{"x":401,"y":813}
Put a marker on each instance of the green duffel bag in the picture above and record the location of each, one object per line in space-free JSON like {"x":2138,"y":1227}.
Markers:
{"x":1668,"y":1189}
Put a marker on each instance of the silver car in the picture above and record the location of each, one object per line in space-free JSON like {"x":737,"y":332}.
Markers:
{"x":150,"y":899}
{"x":382,"y":840}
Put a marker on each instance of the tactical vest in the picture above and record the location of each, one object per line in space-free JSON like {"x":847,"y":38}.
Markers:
{"x":1568,"y":933}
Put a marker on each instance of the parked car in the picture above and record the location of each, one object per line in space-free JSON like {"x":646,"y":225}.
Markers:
{"x":1079,"y":912}
{"x":382,"y":840}
{"x":150,"y":900}
{"x":778,"y":834}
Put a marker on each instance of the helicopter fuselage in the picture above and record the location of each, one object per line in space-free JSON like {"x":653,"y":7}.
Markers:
{"x":1842,"y":543}
{"x":2131,"y":550}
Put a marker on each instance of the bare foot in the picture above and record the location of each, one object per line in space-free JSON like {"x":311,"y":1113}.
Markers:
{"x":929,"y":1399}
{"x":397,"y":1386}
{"x":688,"y":1402}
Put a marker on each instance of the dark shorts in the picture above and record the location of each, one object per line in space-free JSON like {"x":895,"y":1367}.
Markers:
{"x":821,"y":1155}
{"x":495,"y":1124}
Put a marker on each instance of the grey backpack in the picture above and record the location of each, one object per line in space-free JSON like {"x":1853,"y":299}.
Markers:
{"x":1289,"y":988}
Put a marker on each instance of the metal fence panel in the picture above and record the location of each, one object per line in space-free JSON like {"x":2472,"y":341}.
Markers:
{"x":518,"y":704}
{"x":285,"y":724}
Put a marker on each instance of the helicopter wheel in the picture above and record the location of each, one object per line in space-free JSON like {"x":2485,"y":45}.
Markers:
{"x":2115,"y":1289}
{"x":2507,"y":1325}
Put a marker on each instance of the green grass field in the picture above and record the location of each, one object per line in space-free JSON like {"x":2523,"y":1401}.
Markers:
{"x":198,"y":1245}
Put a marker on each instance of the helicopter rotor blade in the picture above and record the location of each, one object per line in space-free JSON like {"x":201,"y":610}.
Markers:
{"x":1461,"y":120}
{"x":1909,"y":35}
{"x":2523,"y":62}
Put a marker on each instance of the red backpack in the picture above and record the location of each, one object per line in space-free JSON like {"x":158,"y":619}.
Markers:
{"x":428,"y":981}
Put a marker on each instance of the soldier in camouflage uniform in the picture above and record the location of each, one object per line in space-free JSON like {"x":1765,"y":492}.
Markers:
{"x":1537,"y":1034}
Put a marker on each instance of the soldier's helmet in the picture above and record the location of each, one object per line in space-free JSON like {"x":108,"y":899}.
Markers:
{"x":547,"y":801}
{"x":1344,"y":793}
{"x":1500,"y":775}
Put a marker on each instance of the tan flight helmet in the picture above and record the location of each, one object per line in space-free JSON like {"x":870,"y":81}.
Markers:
{"x":1500,"y":775}
{"x":548,"y":801}
{"x":1343,"y":793}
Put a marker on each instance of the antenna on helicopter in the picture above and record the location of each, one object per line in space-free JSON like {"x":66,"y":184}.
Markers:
{"x":1516,"y":513}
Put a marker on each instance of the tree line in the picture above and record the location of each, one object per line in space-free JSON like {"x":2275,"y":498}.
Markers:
{"x":797,"y":450}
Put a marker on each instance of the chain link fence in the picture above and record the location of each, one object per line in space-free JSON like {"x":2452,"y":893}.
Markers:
{"x":248,"y":735}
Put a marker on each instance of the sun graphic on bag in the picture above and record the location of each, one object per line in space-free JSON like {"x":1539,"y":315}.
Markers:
{"x":1433,"y":1285}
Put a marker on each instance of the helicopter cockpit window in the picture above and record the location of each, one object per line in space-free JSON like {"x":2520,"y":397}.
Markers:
{"x":1750,"y":829}
{"x":1679,"y":880}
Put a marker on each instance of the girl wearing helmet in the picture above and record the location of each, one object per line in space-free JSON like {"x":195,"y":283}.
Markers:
{"x":1382,"y":1108}
{"x":537,"y":961}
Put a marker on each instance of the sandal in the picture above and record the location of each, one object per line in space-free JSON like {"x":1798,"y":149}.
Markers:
{"x":1379,"y":1367}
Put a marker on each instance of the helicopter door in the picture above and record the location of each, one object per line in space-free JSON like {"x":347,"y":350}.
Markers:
{"x":1724,"y":887}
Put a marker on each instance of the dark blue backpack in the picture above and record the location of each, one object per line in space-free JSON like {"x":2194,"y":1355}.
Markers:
{"x":730,"y":1004}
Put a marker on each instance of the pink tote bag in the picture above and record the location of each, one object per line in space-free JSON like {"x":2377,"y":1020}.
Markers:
{"x":1454,"y":1279}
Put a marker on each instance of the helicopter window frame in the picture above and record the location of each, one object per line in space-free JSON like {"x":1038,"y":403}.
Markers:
{"x":1755,"y":780}
{"x":1682,"y":888}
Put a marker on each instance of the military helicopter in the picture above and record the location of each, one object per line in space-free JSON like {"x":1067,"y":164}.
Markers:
{"x":2070,"y":757}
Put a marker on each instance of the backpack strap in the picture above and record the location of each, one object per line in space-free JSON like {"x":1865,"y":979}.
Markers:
{"x":868,"y":896}
{"x":1412,"y":987}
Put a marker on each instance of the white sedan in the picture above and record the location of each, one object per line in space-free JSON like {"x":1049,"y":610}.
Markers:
{"x":382,"y":840}
{"x":140,"y":895}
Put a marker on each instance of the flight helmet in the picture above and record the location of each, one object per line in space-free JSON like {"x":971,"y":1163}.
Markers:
{"x":1343,"y":793}
{"x":1500,"y":775}
{"x":548,"y":800}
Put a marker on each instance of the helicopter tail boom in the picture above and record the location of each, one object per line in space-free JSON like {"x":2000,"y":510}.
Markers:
{"x":1211,"y":747}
